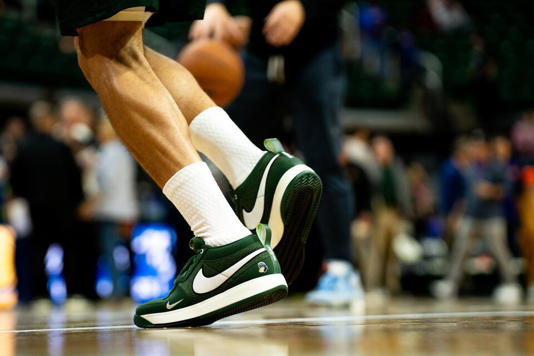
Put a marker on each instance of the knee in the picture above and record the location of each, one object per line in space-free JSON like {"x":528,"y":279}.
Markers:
{"x":106,"y":47}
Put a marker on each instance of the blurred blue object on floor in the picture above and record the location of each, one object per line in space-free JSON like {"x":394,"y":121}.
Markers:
{"x":154,"y":267}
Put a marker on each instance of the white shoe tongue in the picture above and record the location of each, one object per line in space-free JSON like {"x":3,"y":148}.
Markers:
{"x":338,"y":268}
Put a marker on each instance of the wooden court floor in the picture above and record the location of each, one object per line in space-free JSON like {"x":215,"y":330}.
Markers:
{"x":398,"y":327}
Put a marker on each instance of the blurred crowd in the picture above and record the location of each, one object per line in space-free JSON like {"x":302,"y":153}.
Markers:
{"x":448,"y":227}
{"x":71,"y":194}
{"x":67,"y":182}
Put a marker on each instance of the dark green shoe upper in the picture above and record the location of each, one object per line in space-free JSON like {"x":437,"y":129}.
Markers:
{"x":244,"y":197}
{"x":211,"y":262}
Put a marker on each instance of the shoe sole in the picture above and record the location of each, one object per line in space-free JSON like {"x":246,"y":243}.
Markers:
{"x":249,"y":295}
{"x":295,"y":204}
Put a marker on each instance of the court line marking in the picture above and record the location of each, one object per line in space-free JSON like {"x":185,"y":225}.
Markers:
{"x":79,"y":328}
{"x":318,"y":320}
{"x":356,"y":318}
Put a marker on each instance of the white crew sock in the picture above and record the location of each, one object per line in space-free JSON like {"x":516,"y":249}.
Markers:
{"x":197,"y":197}
{"x":214,"y":134}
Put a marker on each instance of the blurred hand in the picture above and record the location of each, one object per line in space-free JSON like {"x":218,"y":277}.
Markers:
{"x":217,"y":24}
{"x":486,"y":190}
{"x":86,"y":209}
{"x":284,"y":22}
{"x":244,"y":24}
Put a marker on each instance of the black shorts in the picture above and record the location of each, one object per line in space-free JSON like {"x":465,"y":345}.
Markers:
{"x":73,"y":14}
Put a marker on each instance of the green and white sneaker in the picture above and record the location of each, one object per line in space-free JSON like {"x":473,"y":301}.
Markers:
{"x":217,"y":282}
{"x":284,"y":193}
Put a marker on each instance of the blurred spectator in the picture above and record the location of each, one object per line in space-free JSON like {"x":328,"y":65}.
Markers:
{"x":487,"y":185}
{"x":362,"y":169}
{"x":523,"y":137}
{"x":363,"y":172}
{"x":372,"y":19}
{"x":502,"y":151}
{"x":452,"y":180}
{"x":483,"y":70}
{"x":448,"y":15}
{"x":526,"y":211}
{"x":75,"y":111}
{"x":14,"y":131}
{"x":115,"y":205}
{"x":45,"y":174}
{"x":423,"y":198}
{"x":391,"y":204}
{"x":453,"y":186}
{"x":15,"y":211}
{"x":75,"y":128}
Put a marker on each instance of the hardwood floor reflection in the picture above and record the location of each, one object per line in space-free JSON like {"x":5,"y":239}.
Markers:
{"x":404,"y":326}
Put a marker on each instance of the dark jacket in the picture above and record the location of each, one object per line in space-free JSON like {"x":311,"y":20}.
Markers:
{"x":45,"y":173}
{"x":319,"y":31}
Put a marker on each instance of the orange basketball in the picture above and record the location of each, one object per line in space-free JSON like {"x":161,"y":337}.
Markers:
{"x":216,"y":66}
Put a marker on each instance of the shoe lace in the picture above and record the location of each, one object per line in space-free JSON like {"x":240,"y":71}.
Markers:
{"x":234,"y":197}
{"x":192,"y":262}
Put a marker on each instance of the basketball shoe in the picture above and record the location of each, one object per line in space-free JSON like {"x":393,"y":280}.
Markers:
{"x":339,"y":286}
{"x":284,"y":193}
{"x":217,"y":282}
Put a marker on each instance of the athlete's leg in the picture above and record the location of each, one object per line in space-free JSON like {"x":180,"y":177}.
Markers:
{"x":142,"y":111}
{"x":181,"y":84}
{"x":288,"y":201}
{"x":212,"y":131}
{"x":149,"y":122}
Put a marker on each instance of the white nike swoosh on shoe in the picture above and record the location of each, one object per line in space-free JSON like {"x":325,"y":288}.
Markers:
{"x":170,"y":306}
{"x":253,"y":218}
{"x":203,"y":284}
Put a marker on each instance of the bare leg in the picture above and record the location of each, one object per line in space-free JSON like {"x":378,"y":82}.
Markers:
{"x":183,"y":87}
{"x":212,"y":131}
{"x":141,"y":110}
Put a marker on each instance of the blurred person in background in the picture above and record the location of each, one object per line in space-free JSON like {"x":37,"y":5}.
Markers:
{"x":502,"y":152}
{"x":391,"y":205}
{"x":484,"y":91}
{"x":14,"y":211}
{"x":448,"y":15}
{"x":76,"y":121}
{"x":45,"y":173}
{"x":487,"y":184}
{"x":526,"y":213}
{"x":362,"y":171}
{"x":453,"y":186}
{"x":13,"y":132}
{"x":423,"y":198}
{"x":293,"y":65}
{"x":523,"y":137}
{"x":115,"y":206}
{"x":76,"y":129}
